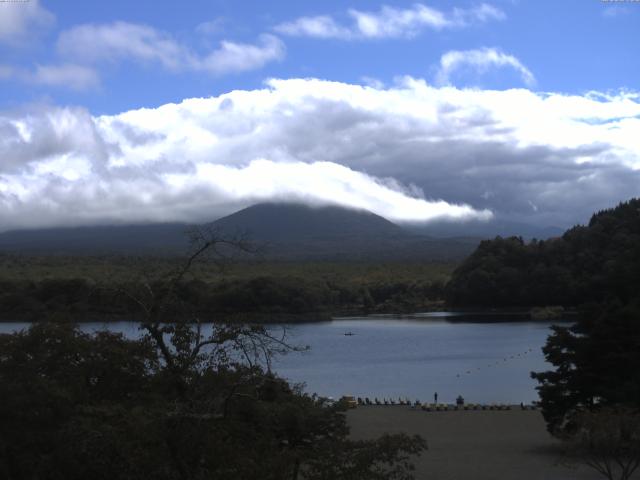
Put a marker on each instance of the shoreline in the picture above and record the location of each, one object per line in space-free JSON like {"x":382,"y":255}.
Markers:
{"x":457,"y":315}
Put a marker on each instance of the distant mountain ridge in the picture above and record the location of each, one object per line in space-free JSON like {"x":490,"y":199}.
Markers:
{"x":490,"y":229}
{"x":287,"y":232}
{"x":301,"y":232}
{"x":284,"y":222}
{"x":154,"y":238}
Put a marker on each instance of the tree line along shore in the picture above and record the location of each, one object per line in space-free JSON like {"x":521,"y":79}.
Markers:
{"x":91,"y":289}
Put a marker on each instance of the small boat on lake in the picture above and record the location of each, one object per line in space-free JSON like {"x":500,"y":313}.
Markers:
{"x":349,"y":334}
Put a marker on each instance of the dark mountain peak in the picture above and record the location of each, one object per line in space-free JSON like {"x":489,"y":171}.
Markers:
{"x":286,"y":231}
{"x":286,"y":222}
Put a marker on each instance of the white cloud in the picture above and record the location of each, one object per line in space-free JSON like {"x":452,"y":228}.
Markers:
{"x":75,"y":77}
{"x":389,"y":22}
{"x":238,"y":57}
{"x":119,"y":41}
{"x":372,"y":82}
{"x":318,"y":183}
{"x":21,"y":21}
{"x":321,"y":26}
{"x":480,"y":60}
{"x":409,"y":152}
{"x":480,"y":13}
{"x":71,"y":76}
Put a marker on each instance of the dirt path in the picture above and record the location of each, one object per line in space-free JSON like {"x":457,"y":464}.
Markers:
{"x":473,"y":445}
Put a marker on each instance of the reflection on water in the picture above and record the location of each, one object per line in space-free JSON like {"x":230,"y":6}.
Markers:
{"x":409,"y":356}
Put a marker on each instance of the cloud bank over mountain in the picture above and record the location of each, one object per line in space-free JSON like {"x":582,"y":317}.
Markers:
{"x":412,"y":153}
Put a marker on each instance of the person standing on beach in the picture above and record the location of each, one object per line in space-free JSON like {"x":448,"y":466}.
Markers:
{"x":435,"y":398}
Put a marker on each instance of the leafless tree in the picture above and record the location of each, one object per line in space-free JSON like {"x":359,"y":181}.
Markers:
{"x":182,"y":341}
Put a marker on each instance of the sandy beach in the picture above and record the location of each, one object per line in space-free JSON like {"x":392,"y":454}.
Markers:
{"x":474,"y":445}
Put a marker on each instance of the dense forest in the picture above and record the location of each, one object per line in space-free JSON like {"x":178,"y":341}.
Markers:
{"x":599,"y":262}
{"x":84,"y":288}
{"x":591,"y":397}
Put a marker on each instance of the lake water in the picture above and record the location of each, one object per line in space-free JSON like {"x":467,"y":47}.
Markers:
{"x":408,"y":356}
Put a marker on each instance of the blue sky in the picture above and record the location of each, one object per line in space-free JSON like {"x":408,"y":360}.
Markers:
{"x":455,"y":111}
{"x":571,"y":46}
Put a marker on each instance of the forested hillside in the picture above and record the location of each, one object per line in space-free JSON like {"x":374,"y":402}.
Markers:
{"x":92,"y":288}
{"x":599,"y":262}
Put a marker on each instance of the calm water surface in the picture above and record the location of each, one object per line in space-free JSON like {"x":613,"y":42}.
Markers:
{"x":416,"y":357}
{"x":408,"y":356}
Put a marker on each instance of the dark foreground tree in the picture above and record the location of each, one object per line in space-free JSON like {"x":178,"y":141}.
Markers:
{"x":597,"y":364}
{"x":598,"y":262}
{"x":608,"y":441}
{"x":592,"y":398}
{"x":178,"y":403}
